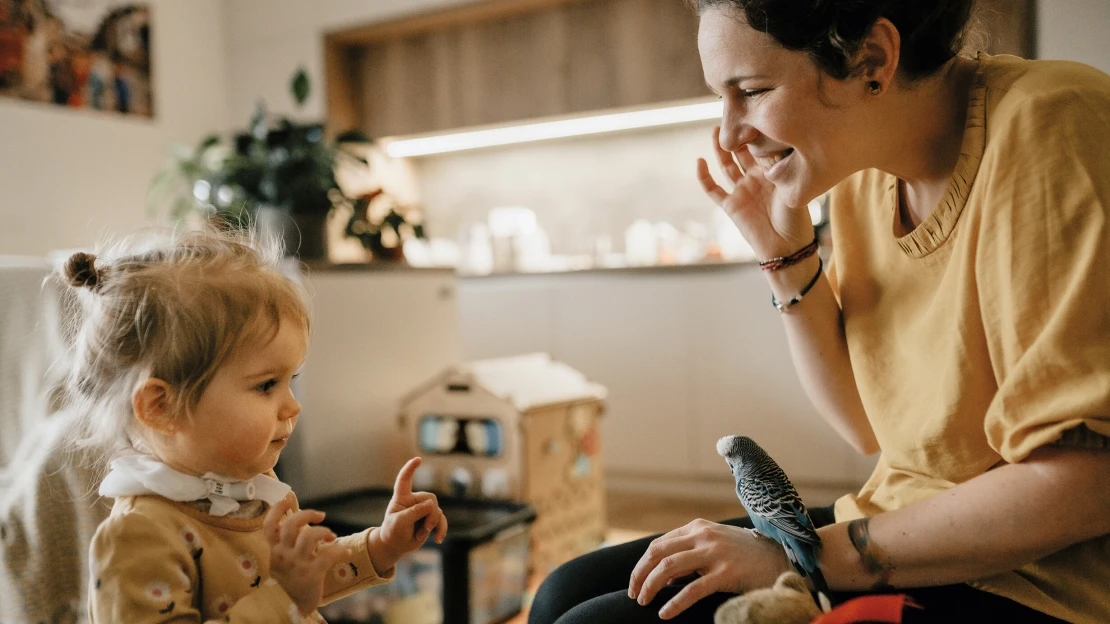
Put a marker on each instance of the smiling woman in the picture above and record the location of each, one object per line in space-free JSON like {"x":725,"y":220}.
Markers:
{"x":961,"y":327}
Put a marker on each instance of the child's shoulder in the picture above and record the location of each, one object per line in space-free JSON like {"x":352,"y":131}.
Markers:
{"x":142,"y":519}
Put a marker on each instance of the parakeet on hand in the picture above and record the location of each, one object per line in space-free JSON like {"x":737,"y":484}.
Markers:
{"x":773,"y":505}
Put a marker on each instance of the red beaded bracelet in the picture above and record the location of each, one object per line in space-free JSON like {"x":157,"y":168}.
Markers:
{"x":774,"y":264}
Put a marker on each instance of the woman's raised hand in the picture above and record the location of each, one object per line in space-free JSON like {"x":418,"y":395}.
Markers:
{"x":770,"y":226}
{"x":724,"y":558}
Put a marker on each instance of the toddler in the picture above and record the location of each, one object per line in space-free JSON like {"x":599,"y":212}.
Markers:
{"x":184,"y":357}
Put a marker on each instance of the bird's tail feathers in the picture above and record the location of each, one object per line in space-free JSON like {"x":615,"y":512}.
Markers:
{"x":818,"y":580}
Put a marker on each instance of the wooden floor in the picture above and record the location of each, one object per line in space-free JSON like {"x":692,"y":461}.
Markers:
{"x":632,"y":516}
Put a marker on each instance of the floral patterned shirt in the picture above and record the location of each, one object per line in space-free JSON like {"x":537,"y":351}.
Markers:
{"x":155,"y":560}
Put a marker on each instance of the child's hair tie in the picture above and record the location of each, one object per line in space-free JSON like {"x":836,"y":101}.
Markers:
{"x":81,"y":271}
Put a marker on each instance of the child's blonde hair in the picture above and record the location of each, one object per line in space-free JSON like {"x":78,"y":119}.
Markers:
{"x":172,"y":306}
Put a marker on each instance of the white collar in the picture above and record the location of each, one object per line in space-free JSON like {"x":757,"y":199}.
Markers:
{"x":136,"y":475}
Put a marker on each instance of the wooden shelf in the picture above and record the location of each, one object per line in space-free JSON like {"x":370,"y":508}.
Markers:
{"x":504,"y":61}
{"x":498,"y":62}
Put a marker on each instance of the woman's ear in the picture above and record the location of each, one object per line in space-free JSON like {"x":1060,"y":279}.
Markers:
{"x":878,"y":56}
{"x":151,"y":403}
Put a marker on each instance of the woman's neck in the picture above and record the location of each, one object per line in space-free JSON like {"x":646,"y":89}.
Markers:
{"x":926,"y":130}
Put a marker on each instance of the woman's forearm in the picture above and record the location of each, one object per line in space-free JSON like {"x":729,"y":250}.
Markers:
{"x":999,"y":521}
{"x":815,"y":333}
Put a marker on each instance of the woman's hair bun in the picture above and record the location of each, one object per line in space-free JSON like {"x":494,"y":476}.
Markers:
{"x":81,"y":271}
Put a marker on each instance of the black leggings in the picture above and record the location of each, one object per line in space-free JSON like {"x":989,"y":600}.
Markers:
{"x":594,"y":588}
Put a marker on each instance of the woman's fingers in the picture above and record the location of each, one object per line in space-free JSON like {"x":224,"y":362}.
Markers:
{"x":709,"y":185}
{"x":729,"y":166}
{"x":291,"y":526}
{"x":660,"y":548}
{"x":745,"y":158}
{"x":676,"y":565}
{"x":684,"y":599}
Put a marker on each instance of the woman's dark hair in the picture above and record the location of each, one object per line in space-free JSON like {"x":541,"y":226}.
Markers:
{"x":831,"y":31}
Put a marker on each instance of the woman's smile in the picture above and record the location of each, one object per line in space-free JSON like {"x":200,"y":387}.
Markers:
{"x":774,"y":164}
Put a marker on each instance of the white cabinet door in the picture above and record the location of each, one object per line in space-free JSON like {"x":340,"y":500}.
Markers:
{"x":506,"y":315}
{"x":745,"y":383}
{"x":629,"y":332}
{"x":376,"y":336}
{"x":688,"y":356}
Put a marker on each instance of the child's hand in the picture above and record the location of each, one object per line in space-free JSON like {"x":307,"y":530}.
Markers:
{"x":409,"y":520}
{"x":301,"y":555}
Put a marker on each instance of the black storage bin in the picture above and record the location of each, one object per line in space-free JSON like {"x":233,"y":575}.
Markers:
{"x":478,"y":575}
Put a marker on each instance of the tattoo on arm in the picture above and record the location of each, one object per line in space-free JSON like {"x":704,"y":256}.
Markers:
{"x":861,"y":538}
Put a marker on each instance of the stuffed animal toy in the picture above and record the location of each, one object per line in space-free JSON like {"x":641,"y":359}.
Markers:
{"x":788,"y":601}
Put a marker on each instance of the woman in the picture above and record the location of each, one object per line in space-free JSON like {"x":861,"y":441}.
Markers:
{"x":962,"y":325}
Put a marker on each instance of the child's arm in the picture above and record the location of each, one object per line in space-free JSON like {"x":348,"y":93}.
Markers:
{"x":144,"y":572}
{"x":340,"y":567}
{"x":409,"y":519}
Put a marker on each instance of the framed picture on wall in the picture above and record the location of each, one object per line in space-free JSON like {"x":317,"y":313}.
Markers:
{"x":86,"y":54}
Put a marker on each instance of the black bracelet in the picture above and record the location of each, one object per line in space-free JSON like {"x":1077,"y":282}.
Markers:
{"x":783,"y":307}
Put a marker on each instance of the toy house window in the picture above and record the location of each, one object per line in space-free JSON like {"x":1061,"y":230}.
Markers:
{"x":457,"y":435}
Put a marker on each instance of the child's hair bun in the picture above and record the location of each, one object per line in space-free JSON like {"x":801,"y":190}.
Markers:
{"x":81,"y":271}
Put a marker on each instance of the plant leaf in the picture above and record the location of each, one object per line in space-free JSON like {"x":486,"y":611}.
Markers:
{"x":353,"y":135}
{"x":300,"y":86}
{"x":258,"y":121}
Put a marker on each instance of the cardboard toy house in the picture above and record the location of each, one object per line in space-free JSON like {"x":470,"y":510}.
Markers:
{"x":523,"y":428}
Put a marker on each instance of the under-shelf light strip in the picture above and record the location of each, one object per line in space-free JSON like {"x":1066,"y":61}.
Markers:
{"x":423,"y":146}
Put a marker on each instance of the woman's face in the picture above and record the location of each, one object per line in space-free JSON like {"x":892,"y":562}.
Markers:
{"x":793,"y":119}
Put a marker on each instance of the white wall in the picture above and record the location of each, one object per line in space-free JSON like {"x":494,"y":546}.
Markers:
{"x":1074,"y":30}
{"x":70,"y":176}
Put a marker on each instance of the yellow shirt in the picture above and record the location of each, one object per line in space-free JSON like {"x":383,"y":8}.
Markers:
{"x":156,"y":560}
{"x":985,"y":333}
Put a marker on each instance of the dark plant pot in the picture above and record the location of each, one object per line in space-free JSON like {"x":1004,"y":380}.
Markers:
{"x":303,"y":235}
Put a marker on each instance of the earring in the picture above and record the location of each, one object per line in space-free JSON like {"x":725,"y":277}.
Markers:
{"x":875,"y":87}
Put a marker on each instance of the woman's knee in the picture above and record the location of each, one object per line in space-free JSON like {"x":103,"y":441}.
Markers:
{"x":563,"y":589}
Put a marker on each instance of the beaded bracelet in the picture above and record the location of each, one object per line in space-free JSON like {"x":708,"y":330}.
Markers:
{"x":783,"y":307}
{"x":774,"y":264}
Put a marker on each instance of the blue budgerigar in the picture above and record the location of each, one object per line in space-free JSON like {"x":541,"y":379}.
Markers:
{"x":773,"y":505}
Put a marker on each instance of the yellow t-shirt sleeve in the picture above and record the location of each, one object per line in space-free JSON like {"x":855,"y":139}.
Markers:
{"x":1044,"y":273}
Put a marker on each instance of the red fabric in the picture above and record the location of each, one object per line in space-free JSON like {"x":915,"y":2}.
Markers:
{"x":885,"y":608}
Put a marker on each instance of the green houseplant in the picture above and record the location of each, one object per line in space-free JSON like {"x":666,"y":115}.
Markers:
{"x":277,"y":175}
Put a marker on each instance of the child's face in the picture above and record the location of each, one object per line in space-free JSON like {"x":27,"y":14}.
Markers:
{"x":246,"y":414}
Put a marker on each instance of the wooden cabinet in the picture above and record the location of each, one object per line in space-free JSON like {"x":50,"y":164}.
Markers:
{"x":498,"y":62}
{"x":509,"y":60}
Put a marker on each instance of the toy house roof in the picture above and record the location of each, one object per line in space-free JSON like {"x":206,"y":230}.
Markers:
{"x":524,"y":381}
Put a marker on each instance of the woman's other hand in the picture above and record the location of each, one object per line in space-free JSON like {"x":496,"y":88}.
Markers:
{"x":724,"y":558}
{"x":300,"y":555}
{"x":772,"y":228}
{"x":409,"y":520}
